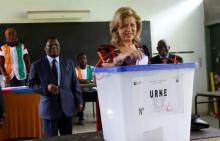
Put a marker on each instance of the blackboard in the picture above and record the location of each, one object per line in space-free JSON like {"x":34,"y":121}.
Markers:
{"x":74,"y":37}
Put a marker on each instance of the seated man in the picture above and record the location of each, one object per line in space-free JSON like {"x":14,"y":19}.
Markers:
{"x":164,"y":57}
{"x":85,"y":76}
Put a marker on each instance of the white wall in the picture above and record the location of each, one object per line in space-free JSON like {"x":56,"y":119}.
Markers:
{"x":212,"y":12}
{"x":181,"y":22}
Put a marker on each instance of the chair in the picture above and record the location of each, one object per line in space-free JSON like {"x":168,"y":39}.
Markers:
{"x":90,"y":97}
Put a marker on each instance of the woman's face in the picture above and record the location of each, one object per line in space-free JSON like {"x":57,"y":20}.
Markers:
{"x":128,"y":30}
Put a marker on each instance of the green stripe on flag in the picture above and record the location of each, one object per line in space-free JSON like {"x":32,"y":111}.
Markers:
{"x":20,"y":61}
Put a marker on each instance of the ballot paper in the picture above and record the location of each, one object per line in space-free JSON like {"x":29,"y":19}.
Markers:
{"x":143,"y":61}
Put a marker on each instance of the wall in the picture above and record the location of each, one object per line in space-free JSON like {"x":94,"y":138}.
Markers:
{"x":74,"y":37}
{"x":212,"y":12}
{"x":181,"y":22}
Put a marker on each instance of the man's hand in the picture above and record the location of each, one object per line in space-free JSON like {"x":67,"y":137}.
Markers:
{"x":2,"y":122}
{"x":7,"y":81}
{"x":79,"y":108}
{"x":53,"y":89}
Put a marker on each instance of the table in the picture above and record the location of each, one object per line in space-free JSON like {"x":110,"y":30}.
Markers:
{"x":87,"y":85}
{"x":22,"y":114}
{"x":208,"y":94}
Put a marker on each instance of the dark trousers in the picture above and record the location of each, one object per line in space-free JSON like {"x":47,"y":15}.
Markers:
{"x":87,"y":97}
{"x":51,"y":127}
{"x":15,"y":82}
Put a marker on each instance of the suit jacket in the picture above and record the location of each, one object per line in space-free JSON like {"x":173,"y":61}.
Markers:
{"x":157,"y":60}
{"x":52,"y":106}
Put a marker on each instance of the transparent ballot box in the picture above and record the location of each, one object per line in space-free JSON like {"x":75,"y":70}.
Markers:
{"x":146,"y":102}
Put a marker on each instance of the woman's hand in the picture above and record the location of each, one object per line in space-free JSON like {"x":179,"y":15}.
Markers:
{"x":129,"y":56}
{"x":135,"y":54}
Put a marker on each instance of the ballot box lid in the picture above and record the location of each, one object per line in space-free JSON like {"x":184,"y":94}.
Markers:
{"x":148,"y":67}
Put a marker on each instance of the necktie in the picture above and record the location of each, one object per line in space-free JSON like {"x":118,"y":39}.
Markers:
{"x":54,"y":72}
{"x":164,"y":60}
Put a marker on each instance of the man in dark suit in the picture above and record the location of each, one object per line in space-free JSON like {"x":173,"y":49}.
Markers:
{"x":164,"y":57}
{"x":54,"y":77}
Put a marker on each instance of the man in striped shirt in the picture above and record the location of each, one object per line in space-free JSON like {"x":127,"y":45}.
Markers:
{"x":14,"y":60}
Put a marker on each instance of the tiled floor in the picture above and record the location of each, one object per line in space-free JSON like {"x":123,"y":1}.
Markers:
{"x":211,"y":120}
{"x":90,"y":125}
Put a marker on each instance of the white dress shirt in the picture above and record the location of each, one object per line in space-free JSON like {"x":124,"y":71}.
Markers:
{"x":50,"y":59}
